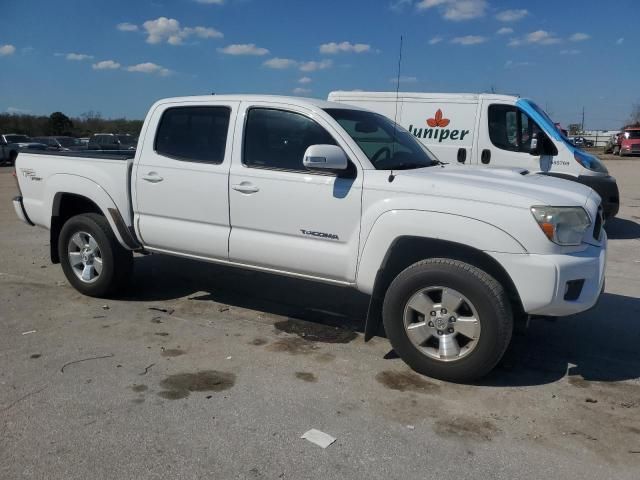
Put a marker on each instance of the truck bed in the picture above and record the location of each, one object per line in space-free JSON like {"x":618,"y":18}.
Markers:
{"x":106,"y":154}
{"x":44,"y":175}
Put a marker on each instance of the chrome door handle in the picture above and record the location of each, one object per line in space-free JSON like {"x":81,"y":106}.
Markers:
{"x":245,"y":187}
{"x":152,"y":177}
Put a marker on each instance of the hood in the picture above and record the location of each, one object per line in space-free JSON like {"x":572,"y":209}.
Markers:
{"x":514,"y":187}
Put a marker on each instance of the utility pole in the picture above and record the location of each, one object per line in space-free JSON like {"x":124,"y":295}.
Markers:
{"x":582,"y":126}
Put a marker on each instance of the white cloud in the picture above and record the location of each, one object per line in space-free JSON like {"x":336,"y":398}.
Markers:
{"x":542,"y":37}
{"x":347,"y":47}
{"x":301,"y":91}
{"x":572,"y":51}
{"x":243,"y":49}
{"x":168,"y":30}
{"x":435,"y":40}
{"x":509,"y":64}
{"x":304,"y":80}
{"x":149,"y":67}
{"x":313,"y":65}
{"x":404,"y":79}
{"x":17,"y":111}
{"x":399,"y":5}
{"x":469,"y":40}
{"x":280,"y":63}
{"x":127,"y":27}
{"x":78,"y":57}
{"x":539,"y":37}
{"x":505,"y":31}
{"x":512,"y":15}
{"x":456,"y":10}
{"x":579,"y":37}
{"x":620,"y":41}
{"x":106,"y":65}
{"x":211,"y":2}
{"x":6,"y":50}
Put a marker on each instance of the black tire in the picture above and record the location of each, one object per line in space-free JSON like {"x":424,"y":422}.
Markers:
{"x":12,"y":157}
{"x":483,"y":291}
{"x":117,"y":262}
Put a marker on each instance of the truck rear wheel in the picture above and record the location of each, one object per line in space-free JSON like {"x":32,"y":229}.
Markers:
{"x":92,"y":259}
{"x":448,"y":319}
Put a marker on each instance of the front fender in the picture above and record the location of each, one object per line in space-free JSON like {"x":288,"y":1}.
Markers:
{"x":85,"y":187}
{"x":394,"y":224}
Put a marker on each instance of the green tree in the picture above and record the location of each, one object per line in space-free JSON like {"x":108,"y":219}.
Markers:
{"x":574,"y":128}
{"x":60,"y":124}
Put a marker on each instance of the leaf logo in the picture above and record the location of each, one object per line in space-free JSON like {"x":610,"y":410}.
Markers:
{"x":438,"y":121}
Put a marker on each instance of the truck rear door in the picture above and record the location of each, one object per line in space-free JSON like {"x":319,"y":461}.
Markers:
{"x":180,"y":180}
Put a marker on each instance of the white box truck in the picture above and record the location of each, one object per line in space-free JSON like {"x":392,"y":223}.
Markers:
{"x":490,"y":130}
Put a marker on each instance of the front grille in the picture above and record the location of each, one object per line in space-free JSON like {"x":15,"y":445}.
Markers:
{"x":597,"y":225}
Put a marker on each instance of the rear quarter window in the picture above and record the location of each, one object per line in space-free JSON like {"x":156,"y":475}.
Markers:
{"x":193,"y":134}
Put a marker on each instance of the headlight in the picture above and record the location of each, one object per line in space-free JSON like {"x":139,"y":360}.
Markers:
{"x":562,"y":225}
{"x":589,"y":162}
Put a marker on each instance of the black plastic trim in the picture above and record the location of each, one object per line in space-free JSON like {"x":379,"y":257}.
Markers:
{"x":101,"y":154}
{"x":24,"y":212}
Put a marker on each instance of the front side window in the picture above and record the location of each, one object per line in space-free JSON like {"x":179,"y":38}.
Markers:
{"x":511,"y":129}
{"x":193,"y":134}
{"x":278,"y":139}
{"x":387,"y":146}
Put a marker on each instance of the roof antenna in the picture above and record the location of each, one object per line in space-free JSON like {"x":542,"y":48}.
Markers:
{"x":395,"y":117}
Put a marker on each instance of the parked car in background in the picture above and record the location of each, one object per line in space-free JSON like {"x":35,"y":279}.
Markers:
{"x":450,"y":255}
{"x":628,"y":142}
{"x":61,"y":144}
{"x":84,"y":141}
{"x":582,"y":142}
{"x":112,"y":141}
{"x":12,"y":143}
{"x":612,"y":143}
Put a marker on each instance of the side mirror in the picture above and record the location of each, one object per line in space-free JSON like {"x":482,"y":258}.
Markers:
{"x":541,"y":144}
{"x":325,"y":157}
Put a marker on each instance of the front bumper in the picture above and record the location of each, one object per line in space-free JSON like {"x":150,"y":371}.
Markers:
{"x":604,"y":185}
{"x":544,"y":282}
{"x":18,"y":206}
{"x":607,"y":188}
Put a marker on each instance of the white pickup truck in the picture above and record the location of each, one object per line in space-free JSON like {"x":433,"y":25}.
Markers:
{"x":451,"y":255}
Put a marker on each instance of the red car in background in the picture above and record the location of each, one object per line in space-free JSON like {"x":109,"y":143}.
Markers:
{"x":628,"y":142}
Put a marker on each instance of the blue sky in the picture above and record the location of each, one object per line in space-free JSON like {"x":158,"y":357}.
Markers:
{"x":116,"y":57}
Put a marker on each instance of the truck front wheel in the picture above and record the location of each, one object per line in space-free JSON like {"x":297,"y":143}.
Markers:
{"x":448,"y":319}
{"x":92,"y":259}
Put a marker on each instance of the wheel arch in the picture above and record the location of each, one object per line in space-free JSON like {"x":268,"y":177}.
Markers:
{"x":407,"y":250}
{"x":66,"y":204}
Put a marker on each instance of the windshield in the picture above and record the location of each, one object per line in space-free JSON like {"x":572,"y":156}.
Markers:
{"x":387,"y":148}
{"x":17,"y":138}
{"x":126,"y":139}
{"x":632,"y":134}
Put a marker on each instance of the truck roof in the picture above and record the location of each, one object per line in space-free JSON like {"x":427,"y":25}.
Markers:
{"x":302,"y":101}
{"x":421,"y":95}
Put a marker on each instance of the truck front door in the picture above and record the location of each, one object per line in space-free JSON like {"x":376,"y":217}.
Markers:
{"x":181,"y":201}
{"x":505,"y":138}
{"x":283,"y":216}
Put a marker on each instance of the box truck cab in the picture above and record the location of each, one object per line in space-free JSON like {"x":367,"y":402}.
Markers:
{"x":502,"y":131}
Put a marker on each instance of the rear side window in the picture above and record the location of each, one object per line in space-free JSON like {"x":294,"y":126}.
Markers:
{"x":278,"y":139}
{"x":193,"y":134}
